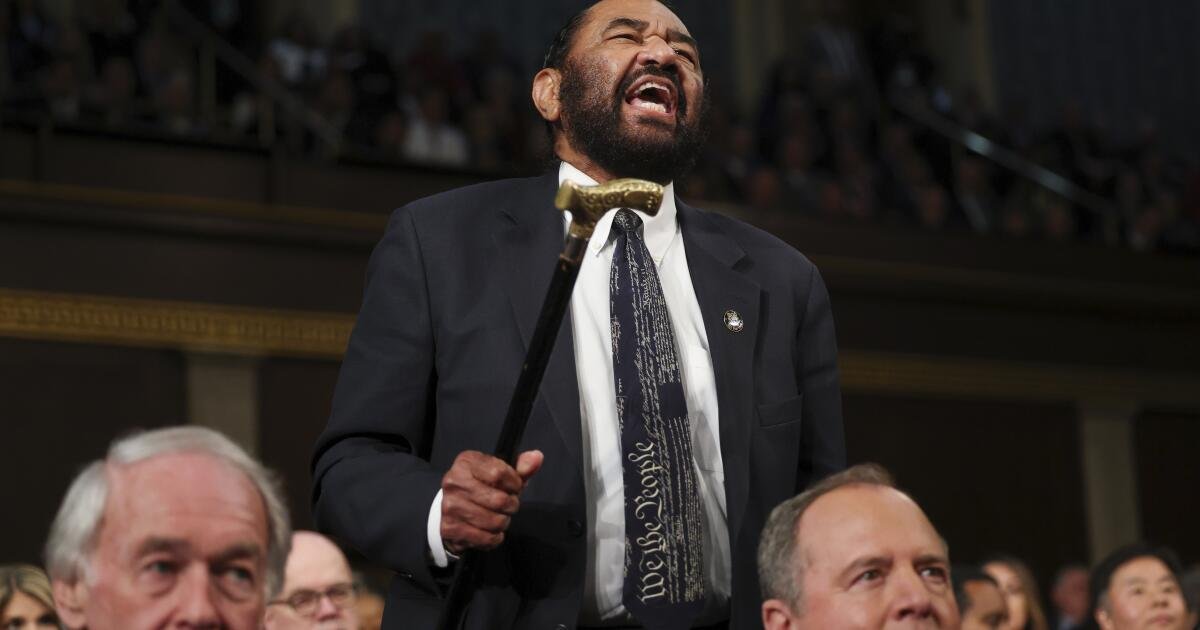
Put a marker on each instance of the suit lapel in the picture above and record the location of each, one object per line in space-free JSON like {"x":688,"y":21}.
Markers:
{"x":711,"y":257}
{"x":529,"y":236}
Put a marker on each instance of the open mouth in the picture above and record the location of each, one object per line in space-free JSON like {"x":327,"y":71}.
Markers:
{"x":653,"y":95}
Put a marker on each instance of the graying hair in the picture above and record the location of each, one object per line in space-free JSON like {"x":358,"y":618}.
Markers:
{"x":73,"y":535}
{"x":779,"y":564}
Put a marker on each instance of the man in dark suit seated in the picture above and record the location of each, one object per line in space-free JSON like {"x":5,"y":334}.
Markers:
{"x":698,"y":364}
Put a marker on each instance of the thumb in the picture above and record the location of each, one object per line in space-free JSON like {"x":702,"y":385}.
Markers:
{"x":528,"y":463}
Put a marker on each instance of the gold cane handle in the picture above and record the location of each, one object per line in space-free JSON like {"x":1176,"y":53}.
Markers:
{"x":588,"y":203}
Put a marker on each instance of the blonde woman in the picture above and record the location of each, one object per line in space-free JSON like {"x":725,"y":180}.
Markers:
{"x":26,"y":602}
{"x":1020,"y":593}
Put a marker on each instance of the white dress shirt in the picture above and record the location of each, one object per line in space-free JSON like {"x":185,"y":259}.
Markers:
{"x":602,"y":471}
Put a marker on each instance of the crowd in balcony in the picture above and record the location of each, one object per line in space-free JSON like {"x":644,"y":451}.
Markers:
{"x":825,"y":139}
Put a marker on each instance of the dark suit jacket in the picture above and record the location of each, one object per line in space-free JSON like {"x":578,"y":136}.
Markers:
{"x":453,"y":293}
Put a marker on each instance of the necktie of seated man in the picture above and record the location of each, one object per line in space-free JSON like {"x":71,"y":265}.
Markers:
{"x":664,"y":585}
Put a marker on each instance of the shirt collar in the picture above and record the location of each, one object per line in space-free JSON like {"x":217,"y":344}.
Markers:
{"x":658,"y":230}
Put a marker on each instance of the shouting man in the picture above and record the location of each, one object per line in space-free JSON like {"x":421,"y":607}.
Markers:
{"x":692,"y":387}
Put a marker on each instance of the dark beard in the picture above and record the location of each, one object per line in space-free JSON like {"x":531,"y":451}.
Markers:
{"x":595,"y":130}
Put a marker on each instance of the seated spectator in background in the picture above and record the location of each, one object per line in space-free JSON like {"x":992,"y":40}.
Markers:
{"x":1020,"y":593}
{"x":1069,"y":594}
{"x":369,"y":604}
{"x":974,"y":194}
{"x":980,"y":601}
{"x":26,"y":602}
{"x":176,"y":527}
{"x":1190,"y":581}
{"x":301,"y":58}
{"x":431,"y":138}
{"x":318,"y":589}
{"x":1137,"y":586}
{"x":854,"y":552}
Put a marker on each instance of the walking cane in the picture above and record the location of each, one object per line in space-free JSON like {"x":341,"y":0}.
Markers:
{"x":586,"y":205}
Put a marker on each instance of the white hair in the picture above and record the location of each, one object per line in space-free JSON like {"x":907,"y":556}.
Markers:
{"x":73,"y":534}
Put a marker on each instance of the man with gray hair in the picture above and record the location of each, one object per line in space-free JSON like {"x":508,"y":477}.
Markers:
{"x":853,"y":552}
{"x":174,"y":527}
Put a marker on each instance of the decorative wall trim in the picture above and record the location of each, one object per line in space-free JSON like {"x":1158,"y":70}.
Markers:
{"x":190,"y":205}
{"x":927,"y":375}
{"x":182,"y":325}
{"x":265,"y":332}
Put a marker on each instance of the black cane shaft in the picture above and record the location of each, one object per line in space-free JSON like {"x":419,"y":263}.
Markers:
{"x":554,"y":307}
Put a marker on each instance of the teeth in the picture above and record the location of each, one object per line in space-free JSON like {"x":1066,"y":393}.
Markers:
{"x":652,"y":86}
{"x":658,"y":107}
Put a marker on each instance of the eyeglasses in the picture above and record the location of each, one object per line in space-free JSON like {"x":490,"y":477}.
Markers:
{"x":306,"y":602}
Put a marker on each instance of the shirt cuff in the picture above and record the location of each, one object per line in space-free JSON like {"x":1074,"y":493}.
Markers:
{"x":433,"y":535}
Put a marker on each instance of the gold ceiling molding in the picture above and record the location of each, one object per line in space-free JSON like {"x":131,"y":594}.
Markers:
{"x":82,"y":318}
{"x":167,"y":324}
{"x":186,"y":204}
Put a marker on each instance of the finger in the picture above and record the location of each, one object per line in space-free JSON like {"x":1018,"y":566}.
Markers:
{"x":462,"y":536}
{"x":529,"y":463}
{"x":457,"y":510}
{"x":497,"y":474}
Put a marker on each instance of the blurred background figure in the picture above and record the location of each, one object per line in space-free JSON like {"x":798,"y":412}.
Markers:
{"x":981,"y":603}
{"x":26,"y":601}
{"x":1137,"y":586}
{"x":1069,"y":594}
{"x":318,"y":588}
{"x":369,"y":604}
{"x":1020,"y":592}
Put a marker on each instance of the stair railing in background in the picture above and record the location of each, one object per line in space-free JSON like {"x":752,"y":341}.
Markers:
{"x":213,"y":48}
{"x":922,"y":114}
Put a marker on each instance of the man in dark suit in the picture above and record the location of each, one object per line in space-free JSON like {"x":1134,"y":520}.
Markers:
{"x":453,"y":292}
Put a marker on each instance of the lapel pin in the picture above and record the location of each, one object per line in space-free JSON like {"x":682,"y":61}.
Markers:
{"x":733,"y":321}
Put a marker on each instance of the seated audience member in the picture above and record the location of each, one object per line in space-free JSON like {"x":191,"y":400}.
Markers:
{"x":369,"y":605}
{"x":176,"y":527}
{"x":980,"y":601}
{"x":1070,"y":596}
{"x":1137,"y":586}
{"x":854,"y":552}
{"x":318,"y":589}
{"x":26,"y":602}
{"x":1191,"y":594}
{"x":1020,"y":591}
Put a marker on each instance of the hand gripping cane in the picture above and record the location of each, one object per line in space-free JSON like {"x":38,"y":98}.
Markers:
{"x":586,"y":205}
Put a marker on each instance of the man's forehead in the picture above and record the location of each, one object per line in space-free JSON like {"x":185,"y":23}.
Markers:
{"x":602,"y":14}
{"x":1141,"y":569}
{"x":172,"y":489}
{"x":861,"y":521}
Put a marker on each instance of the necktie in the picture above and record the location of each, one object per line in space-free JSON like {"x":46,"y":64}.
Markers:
{"x":664,"y":570}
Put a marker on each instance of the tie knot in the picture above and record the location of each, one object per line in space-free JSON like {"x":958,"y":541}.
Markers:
{"x":626,"y":222}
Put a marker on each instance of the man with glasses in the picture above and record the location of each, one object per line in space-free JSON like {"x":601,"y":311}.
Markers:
{"x":318,"y":590}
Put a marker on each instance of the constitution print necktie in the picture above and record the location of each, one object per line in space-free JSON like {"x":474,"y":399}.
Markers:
{"x":664,"y":566}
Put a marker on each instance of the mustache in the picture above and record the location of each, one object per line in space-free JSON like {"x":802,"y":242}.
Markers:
{"x":669,"y":73}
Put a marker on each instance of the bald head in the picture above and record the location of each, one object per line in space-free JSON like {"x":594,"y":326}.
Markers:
{"x":315,"y":582}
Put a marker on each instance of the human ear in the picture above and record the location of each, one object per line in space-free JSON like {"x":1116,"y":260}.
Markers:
{"x":777,"y":615}
{"x":545,"y":94}
{"x":70,"y":598}
{"x":1104,"y":619}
